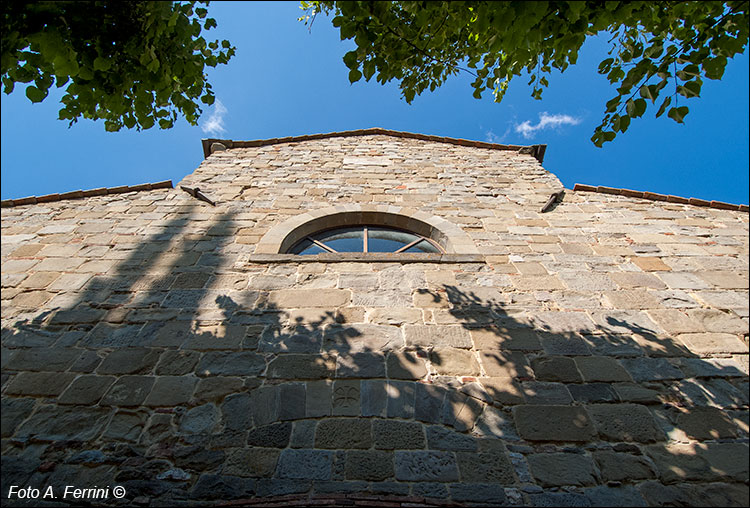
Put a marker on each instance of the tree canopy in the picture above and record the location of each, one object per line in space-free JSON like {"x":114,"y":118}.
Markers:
{"x":129,"y":63}
{"x":653,"y":45}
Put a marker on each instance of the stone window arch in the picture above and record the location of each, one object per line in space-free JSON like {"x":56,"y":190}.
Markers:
{"x":450,"y":238}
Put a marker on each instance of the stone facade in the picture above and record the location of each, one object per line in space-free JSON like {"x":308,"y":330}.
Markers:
{"x":596,"y":354}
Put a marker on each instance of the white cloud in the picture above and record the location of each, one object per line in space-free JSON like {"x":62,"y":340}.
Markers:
{"x":491,"y":137}
{"x":215,"y":123}
{"x":545,"y":121}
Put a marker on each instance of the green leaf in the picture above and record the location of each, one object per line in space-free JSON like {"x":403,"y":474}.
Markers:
{"x":34,"y":94}
{"x":354,"y":75}
{"x":663,"y":107}
{"x":640,"y":108}
{"x":678,"y":114}
{"x":350,"y":60}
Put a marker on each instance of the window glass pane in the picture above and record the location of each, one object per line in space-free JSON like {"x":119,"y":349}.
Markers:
{"x":423,"y":246}
{"x":387,"y":240}
{"x":306,"y":247}
{"x":343,"y":239}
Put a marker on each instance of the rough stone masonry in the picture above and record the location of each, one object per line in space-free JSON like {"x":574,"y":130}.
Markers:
{"x":593,"y":355}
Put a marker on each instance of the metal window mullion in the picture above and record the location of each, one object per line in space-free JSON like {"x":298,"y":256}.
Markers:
{"x":322,"y":245}
{"x":410,"y":245}
{"x":365,"y":240}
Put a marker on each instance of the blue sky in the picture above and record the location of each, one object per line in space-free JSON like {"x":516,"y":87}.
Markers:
{"x":288,"y":81}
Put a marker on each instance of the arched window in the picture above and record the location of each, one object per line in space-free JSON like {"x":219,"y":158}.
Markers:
{"x":384,"y":228}
{"x":365,"y":238}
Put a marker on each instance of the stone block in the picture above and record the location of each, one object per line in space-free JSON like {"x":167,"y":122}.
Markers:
{"x":625,"y":422}
{"x":275,"y":435}
{"x":556,"y":368}
{"x":318,"y":398}
{"x":206,"y":338}
{"x":601,"y":369}
{"x":346,"y":398}
{"x":303,"y":434}
{"x":541,"y":392}
{"x":593,"y":392}
{"x":441,"y":438}
{"x":394,"y":316}
{"x":126,"y":426}
{"x":605,"y":495}
{"x":305,"y":464}
{"x":292,"y":401}
{"x":264,"y":403}
{"x":86,"y":390}
{"x":397,"y":435}
{"x":489,"y":467}
{"x":296,"y":298}
{"x":356,"y":338}
{"x":200,"y":420}
{"x":559,"y":469}
{"x":129,"y":361}
{"x":506,"y":364}
{"x":223,"y":487}
{"x":14,"y":412}
{"x":495,"y":423}
{"x":503,"y":390}
{"x":705,"y":423}
{"x":47,"y":360}
{"x":428,"y":403}
{"x":651,"y":369}
{"x":623,"y":467}
{"x":454,"y":362}
{"x":361,"y":365}
{"x":369,"y":465}
{"x":567,"y":344}
{"x":587,"y":281}
{"x":536,"y":282}
{"x":553,"y":423}
{"x":301,"y":366}
{"x":177,"y":363}
{"x":437,"y":336}
{"x":405,"y":365}
{"x":426,"y":466}
{"x":171,"y":391}
{"x":713,"y":343}
{"x":343,"y":433}
{"x":46,"y":384}
{"x":400,"y":399}
{"x":716,"y":321}
{"x":631,"y":299}
{"x":681,"y":462}
{"x":650,"y":264}
{"x":513,"y":339}
{"x":64,"y":423}
{"x":637,"y":280}
{"x":460,"y":411}
{"x":252,"y":462}
{"x":129,"y":391}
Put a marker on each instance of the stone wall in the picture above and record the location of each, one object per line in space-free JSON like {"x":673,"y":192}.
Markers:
{"x":595,"y":354}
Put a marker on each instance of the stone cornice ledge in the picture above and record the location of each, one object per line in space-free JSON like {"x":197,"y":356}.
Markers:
{"x":371,"y":257}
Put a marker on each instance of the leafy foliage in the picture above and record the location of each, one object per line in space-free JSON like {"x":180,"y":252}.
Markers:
{"x":131,"y":64}
{"x":653,"y":44}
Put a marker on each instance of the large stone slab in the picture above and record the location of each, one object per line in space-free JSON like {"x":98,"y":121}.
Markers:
{"x":625,"y":422}
{"x":553,"y":423}
{"x":426,"y":466}
{"x":437,"y":335}
{"x":61,"y":423}
{"x":558,"y":469}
